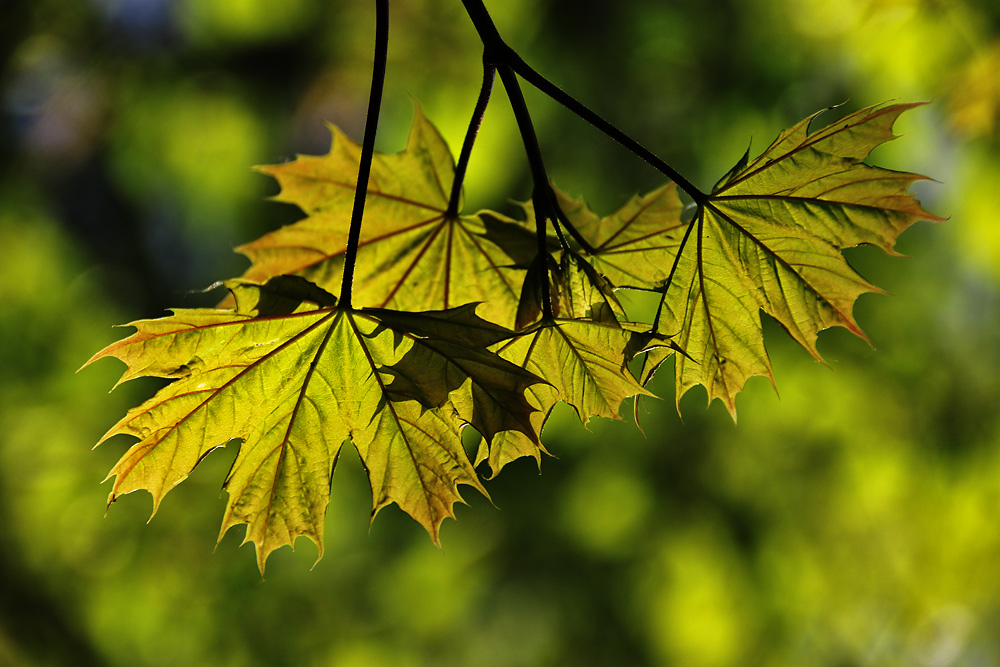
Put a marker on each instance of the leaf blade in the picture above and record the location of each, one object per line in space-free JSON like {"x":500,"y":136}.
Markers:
{"x":411,"y":255}
{"x":770,"y":238}
{"x":292,"y":387}
{"x":584,"y":365}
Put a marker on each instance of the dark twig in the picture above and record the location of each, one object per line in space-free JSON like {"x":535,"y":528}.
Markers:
{"x":489,"y":74}
{"x":367,"y":147}
{"x":542,"y":194}
{"x":501,"y":54}
{"x":559,"y":95}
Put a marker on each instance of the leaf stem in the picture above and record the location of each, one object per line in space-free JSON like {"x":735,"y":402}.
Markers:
{"x":542,"y":193}
{"x":562,"y":97}
{"x":489,"y":74}
{"x":367,"y":147}
{"x":573,"y":231}
{"x":559,"y":232}
{"x":673,"y":269}
{"x":543,"y":256}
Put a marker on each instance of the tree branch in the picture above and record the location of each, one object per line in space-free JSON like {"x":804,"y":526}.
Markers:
{"x":501,"y":54}
{"x":559,"y":95}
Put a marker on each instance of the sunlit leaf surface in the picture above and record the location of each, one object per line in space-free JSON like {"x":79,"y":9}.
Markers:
{"x":629,"y":245}
{"x":292,"y":379}
{"x":769,"y":237}
{"x":583,"y":362}
{"x":291,"y":375}
{"x":412,"y":255}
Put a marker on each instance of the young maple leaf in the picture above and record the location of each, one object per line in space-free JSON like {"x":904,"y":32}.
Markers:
{"x":292,"y":376}
{"x":583,"y":362}
{"x":769,"y":237}
{"x":412,"y":255}
{"x":582,"y":351}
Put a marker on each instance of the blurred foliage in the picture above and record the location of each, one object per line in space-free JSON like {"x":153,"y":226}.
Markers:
{"x":850,"y":523}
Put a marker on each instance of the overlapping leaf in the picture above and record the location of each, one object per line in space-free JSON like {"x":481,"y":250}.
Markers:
{"x":293,"y":379}
{"x":582,"y":351}
{"x":769,"y":238}
{"x":412,"y":255}
{"x":583,"y":362}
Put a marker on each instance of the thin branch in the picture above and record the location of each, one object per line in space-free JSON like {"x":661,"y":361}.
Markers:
{"x":494,"y":50}
{"x":367,"y":147}
{"x":501,"y":54}
{"x":573,"y":231}
{"x":487,"y":30}
{"x":489,"y":74}
{"x":541,"y":195}
{"x":562,"y":97}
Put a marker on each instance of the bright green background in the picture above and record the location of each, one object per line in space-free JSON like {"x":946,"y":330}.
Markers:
{"x":851,"y":522}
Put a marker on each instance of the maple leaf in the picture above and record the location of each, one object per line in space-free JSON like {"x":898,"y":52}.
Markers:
{"x":582,"y":351}
{"x":411,"y":255}
{"x":292,"y":376}
{"x":584,"y":363}
{"x":769,"y":237}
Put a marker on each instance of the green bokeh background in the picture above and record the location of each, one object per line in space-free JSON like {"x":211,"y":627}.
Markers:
{"x":853,"y":521}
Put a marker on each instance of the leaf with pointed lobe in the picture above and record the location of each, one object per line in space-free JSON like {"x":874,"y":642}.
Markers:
{"x":770,"y":237}
{"x":453,"y":364}
{"x":584,"y":363}
{"x":412,"y":255}
{"x":292,"y":384}
{"x":630,"y":244}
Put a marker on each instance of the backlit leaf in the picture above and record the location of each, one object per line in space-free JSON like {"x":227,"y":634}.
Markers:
{"x":583,"y":362}
{"x":630,"y":243}
{"x":412,"y":255}
{"x":576,"y":290}
{"x":292,"y":380}
{"x":769,"y":238}
{"x":289,"y":375}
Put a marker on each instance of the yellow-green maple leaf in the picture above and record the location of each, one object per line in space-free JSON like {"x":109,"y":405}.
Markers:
{"x":769,"y":237}
{"x":584,"y":365}
{"x":412,"y":255}
{"x":292,"y":376}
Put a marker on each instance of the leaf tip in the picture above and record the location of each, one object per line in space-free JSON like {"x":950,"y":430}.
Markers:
{"x":268,"y":169}
{"x":89,"y":362}
{"x":156,"y":506}
{"x":732,"y":413}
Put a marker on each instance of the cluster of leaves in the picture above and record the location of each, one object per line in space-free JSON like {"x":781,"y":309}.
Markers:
{"x":482,"y":320}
